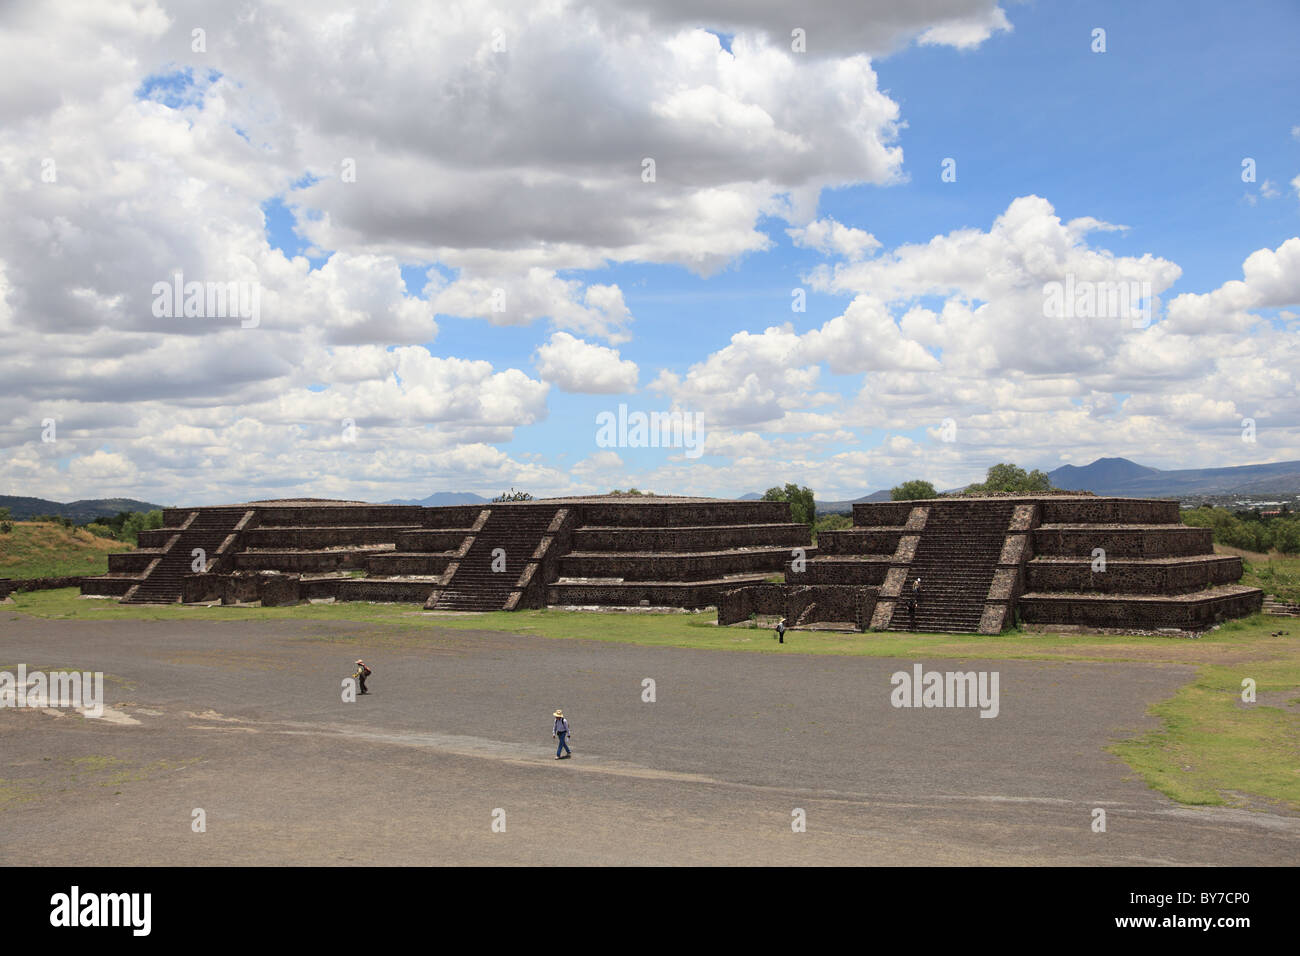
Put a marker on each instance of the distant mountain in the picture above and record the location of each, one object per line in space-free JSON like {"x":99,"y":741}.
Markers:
{"x":829,"y":507}
{"x":1104,"y":472}
{"x":844,"y":507}
{"x":1123,"y":478}
{"x":442,"y":498}
{"x":79,"y":511}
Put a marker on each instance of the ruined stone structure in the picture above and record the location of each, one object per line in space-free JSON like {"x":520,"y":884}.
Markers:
{"x":615,"y":550}
{"x":986,"y":562}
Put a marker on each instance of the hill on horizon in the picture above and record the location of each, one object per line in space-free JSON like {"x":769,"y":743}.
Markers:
{"x":22,"y":508}
{"x":442,"y":499}
{"x":1124,"y":478}
{"x":829,"y":507}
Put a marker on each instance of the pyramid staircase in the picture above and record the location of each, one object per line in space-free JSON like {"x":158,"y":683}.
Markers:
{"x":206,"y":529}
{"x":956,"y":558}
{"x":473,"y":585}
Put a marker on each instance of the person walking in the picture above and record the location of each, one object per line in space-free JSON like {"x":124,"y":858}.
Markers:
{"x":561,"y":730}
{"x":362,"y":673}
{"x":780,"y":631}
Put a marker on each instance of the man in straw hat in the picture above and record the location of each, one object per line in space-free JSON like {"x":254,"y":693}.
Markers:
{"x":362,"y":673}
{"x":561,"y":730}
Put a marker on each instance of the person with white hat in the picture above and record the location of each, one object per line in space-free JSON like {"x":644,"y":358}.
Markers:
{"x":561,"y":730}
{"x":362,"y":673}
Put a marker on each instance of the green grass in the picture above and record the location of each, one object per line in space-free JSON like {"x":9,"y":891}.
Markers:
{"x":1278,"y":574}
{"x":44,"y":550}
{"x":1208,"y":749}
{"x":1214,"y":749}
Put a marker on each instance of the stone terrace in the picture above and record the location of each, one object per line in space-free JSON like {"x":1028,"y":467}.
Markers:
{"x":609,"y":550}
{"x":984,"y":562}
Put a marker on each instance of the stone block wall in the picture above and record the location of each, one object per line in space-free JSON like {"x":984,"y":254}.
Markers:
{"x":318,"y":538}
{"x":839,"y":569}
{"x":1151,"y":576}
{"x":649,"y":512}
{"x":11,"y":585}
{"x":433,"y":539}
{"x":881,"y":514}
{"x":799,"y":605}
{"x":1061,"y":510}
{"x":673,"y":567}
{"x":859,"y":541}
{"x":1193,"y":611}
{"x":131,"y":562}
{"x":737,"y":604}
{"x":649,"y":593}
{"x":671,"y":539}
{"x":1120,"y":542}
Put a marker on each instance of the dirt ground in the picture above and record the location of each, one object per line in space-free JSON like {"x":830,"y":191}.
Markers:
{"x":450,"y":759}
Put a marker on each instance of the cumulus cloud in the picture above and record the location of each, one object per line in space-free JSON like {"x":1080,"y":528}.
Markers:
{"x":833,"y":238}
{"x":1009,"y":378}
{"x":578,"y":366}
{"x":1271,"y":277}
{"x":499,"y":148}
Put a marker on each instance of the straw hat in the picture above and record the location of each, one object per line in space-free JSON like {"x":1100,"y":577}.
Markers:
{"x":558,"y":713}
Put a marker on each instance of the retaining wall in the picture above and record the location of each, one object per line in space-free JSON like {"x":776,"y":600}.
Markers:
{"x":690,"y":538}
{"x":1149,"y":542}
{"x":1144,"y":577}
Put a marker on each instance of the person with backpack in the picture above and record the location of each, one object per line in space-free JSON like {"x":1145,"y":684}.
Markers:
{"x":362,"y":673}
{"x":561,"y":730}
{"x":780,"y":631}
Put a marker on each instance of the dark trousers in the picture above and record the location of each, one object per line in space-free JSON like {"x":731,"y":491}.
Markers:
{"x":361,"y":680}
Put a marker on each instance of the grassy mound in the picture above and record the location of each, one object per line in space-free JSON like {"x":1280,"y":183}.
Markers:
{"x":38,"y":549}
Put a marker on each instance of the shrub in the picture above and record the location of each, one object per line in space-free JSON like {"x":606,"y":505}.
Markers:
{"x":513,"y":495}
{"x":912,"y":491}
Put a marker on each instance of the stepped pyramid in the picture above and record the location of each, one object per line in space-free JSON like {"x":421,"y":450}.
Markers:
{"x":986,"y":562}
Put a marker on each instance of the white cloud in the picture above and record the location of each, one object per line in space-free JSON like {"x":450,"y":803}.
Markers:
{"x":834,"y":238}
{"x":1271,"y":279}
{"x":578,"y":366}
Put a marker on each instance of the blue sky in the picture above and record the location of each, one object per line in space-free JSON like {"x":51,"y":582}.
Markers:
{"x":1150,"y":135}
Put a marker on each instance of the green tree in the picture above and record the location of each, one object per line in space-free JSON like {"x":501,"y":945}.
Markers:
{"x":131,"y":527}
{"x":803,"y":509}
{"x":1286,"y":536}
{"x":912,"y":491}
{"x":1006,"y":477}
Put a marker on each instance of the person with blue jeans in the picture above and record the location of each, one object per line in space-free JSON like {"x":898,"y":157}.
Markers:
{"x":561,"y":730}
